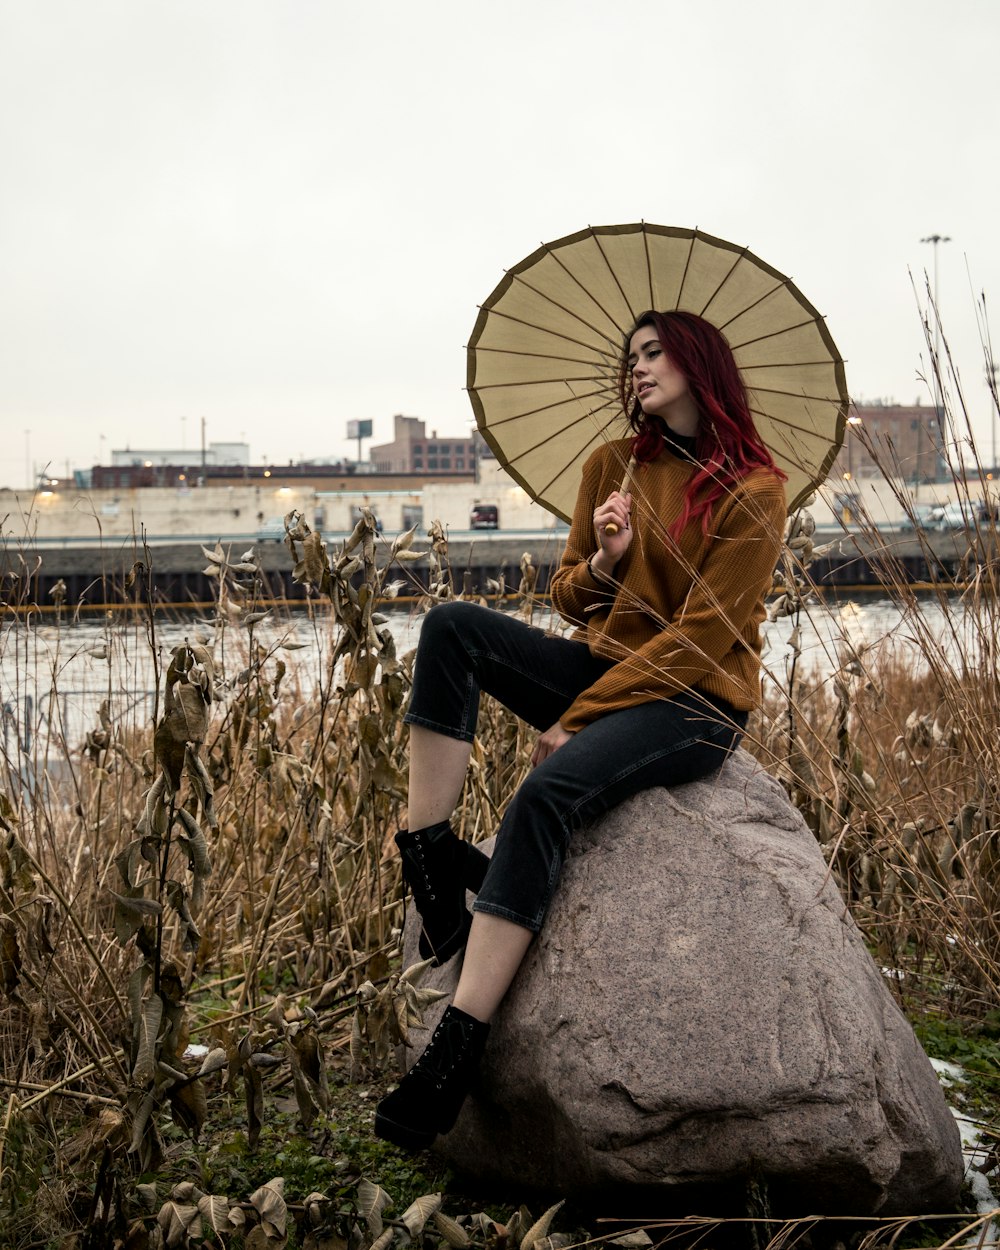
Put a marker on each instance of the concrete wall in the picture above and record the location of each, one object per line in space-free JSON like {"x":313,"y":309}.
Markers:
{"x":217,"y":512}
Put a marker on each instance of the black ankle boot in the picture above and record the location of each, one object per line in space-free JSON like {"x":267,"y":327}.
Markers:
{"x":431,"y":1094}
{"x":439,"y":867}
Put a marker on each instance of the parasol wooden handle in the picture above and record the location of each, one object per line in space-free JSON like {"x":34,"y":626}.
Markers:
{"x":611,"y":528}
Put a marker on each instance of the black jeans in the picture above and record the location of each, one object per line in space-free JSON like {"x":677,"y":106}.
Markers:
{"x":465,"y":648}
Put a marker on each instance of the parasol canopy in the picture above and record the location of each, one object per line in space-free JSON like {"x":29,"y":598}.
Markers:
{"x":544,"y":355}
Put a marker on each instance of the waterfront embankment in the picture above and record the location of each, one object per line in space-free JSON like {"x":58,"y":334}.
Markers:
{"x":95,"y":575}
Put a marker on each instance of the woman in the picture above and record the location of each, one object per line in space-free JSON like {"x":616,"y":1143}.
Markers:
{"x":666,"y":583}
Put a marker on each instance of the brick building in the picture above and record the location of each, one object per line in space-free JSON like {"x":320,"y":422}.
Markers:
{"x":905,"y":442}
{"x":413,"y":451}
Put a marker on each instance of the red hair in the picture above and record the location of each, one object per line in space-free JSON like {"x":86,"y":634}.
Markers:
{"x":727,"y":445}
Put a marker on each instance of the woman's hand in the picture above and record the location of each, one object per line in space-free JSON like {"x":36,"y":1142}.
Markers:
{"x":616,"y":510}
{"x":548,"y":742}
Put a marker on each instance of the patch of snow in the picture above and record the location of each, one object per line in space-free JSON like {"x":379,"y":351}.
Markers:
{"x":974,"y":1151}
{"x":948,"y":1073}
{"x":195,"y":1051}
{"x":894,"y":974}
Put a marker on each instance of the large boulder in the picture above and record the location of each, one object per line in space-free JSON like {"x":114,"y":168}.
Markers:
{"x":700,"y":1009}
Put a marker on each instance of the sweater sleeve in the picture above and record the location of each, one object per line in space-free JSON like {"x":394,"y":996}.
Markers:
{"x":575,"y":592}
{"x":725,"y":595}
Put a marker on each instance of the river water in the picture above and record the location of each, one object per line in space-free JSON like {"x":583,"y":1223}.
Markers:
{"x":53,"y":679}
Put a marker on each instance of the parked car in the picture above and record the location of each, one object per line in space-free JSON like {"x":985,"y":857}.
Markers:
{"x":925,"y":517}
{"x":272,"y":530}
{"x":484,"y":516}
{"x":955,"y":516}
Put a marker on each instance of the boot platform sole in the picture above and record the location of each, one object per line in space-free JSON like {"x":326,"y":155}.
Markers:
{"x":402,"y":1134}
{"x":453,"y":943}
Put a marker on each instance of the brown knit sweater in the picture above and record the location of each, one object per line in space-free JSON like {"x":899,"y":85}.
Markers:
{"x":679,"y":615}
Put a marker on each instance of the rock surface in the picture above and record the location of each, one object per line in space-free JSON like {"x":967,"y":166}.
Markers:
{"x":701,"y":1008}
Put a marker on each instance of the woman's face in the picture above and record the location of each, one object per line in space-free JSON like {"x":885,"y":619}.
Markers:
{"x":657,"y":383}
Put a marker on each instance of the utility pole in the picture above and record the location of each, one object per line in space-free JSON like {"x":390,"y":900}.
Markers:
{"x":935,"y":240}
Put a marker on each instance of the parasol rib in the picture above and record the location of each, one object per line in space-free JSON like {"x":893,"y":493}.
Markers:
{"x":599,"y":433}
{"x":614,"y":276}
{"x":500,"y":386}
{"x":593,"y":298}
{"x":569,"y":465}
{"x":562,"y":307}
{"x":778,"y":286}
{"x":804,"y":430}
{"x":514,"y":351}
{"x":776,"y":334}
{"x":558,"y":334}
{"x":649,"y":267}
{"x":687,"y":266}
{"x":792,"y":364}
{"x":534,"y":412}
{"x":770,"y":390}
{"x":729,"y":273}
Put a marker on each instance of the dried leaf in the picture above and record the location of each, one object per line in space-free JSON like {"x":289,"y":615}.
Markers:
{"x":149,"y":1029}
{"x":136,"y":905}
{"x":357,"y":534}
{"x":214,"y":1061}
{"x":193,"y":841}
{"x":419,"y":1212}
{"x":147,"y":1197}
{"x":257,"y":1239}
{"x":540,"y":1228}
{"x":372,"y":1201}
{"x":127,"y":862}
{"x":169,"y":752}
{"x":453,"y":1233}
{"x":305,"y":1057}
{"x":178,"y":899}
{"x":314,"y":558}
{"x":178,"y":1222}
{"x":415,"y":973}
{"x":10,"y":956}
{"x":189,"y":1106}
{"x":261,"y":1059}
{"x":384,"y":1240}
{"x":254,"y":1090}
{"x":269,"y":1203}
{"x":141,"y":1121}
{"x":357,"y":1047}
{"x":215,"y":1213}
{"x":186,"y":1191}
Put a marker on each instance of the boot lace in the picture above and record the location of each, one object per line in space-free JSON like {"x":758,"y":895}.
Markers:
{"x":447,"y":1049}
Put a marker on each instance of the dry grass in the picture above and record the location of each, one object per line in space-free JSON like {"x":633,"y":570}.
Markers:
{"x":118,"y":945}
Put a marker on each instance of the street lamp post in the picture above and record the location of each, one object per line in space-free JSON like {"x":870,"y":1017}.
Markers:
{"x":935,"y":240}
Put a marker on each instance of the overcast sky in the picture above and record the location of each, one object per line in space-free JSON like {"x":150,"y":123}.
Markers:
{"x":282,"y":215}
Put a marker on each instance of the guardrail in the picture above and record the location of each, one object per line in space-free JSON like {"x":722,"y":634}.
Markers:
{"x":122,"y":542}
